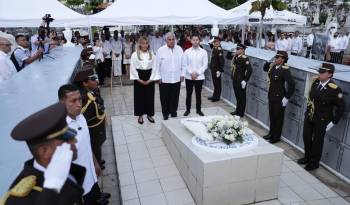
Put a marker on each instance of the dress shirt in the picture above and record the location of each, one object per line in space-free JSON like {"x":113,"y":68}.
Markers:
{"x":297,"y":45}
{"x":107,"y":48}
{"x":7,"y":69}
{"x":169,"y":64}
{"x":34,"y":38}
{"x":98,"y":52}
{"x":156,"y":43}
{"x":335,"y":44}
{"x":144,"y":64}
{"x":345,"y":42}
{"x":310,"y":39}
{"x":117,"y":48}
{"x":195,"y":60}
{"x":85,"y":156}
{"x":21,"y":54}
{"x":281,"y":45}
{"x":323,"y":84}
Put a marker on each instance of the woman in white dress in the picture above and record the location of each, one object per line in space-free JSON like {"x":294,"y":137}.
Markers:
{"x":98,"y":52}
{"x":128,"y":49}
{"x":141,"y":64}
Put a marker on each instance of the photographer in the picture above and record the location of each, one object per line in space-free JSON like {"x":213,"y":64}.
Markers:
{"x":40,"y":40}
{"x":22,"y":56}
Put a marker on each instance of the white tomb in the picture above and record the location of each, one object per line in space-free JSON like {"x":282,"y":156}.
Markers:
{"x":232,"y":178}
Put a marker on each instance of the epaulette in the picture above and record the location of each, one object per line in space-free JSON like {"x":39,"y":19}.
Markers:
{"x":244,"y":56}
{"x":23,"y":188}
{"x":332,"y":85}
{"x":285,"y":66}
{"x":219,"y":48}
{"x":91,"y":97}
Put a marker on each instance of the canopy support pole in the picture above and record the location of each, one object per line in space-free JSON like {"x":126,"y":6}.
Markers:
{"x":243,"y":34}
{"x":302,"y":38}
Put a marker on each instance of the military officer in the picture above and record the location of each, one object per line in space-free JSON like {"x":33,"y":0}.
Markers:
{"x":278,"y":94}
{"x":50,"y":177}
{"x":324,"y":109}
{"x":241,"y":72}
{"x":217,"y":63}
{"x":93,"y":109}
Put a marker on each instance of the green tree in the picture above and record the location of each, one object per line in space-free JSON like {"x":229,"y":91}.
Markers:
{"x":74,"y":2}
{"x":262,"y":5}
{"x":228,"y":4}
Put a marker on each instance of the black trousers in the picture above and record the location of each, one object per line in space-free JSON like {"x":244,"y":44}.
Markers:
{"x":97,"y":138}
{"x":169,"y":98}
{"x":240,"y":94}
{"x":217,"y":85}
{"x":335,"y":57}
{"x":101,"y":72}
{"x":144,"y":95}
{"x":276,"y":111}
{"x":91,"y":197}
{"x":108,"y":66}
{"x":313,"y":135}
{"x":308,"y":52}
{"x":197,"y":84}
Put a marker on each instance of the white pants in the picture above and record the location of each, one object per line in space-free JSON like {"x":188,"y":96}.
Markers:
{"x":117,"y":67}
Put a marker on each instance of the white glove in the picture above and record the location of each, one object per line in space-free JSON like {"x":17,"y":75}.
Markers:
{"x":329,"y":126}
{"x":218,"y":73}
{"x":57,"y":171}
{"x":92,"y":57}
{"x":284,"y":102}
{"x":243,"y":83}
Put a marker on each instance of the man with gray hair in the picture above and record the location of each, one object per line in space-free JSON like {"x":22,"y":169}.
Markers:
{"x":169,"y":70}
{"x":6,"y":66}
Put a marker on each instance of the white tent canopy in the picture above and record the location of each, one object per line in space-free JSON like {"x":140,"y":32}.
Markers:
{"x":271,"y":16}
{"x":20,"y":13}
{"x":164,"y":12}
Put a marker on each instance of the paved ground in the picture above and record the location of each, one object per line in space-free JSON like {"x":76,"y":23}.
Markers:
{"x":297,"y":186}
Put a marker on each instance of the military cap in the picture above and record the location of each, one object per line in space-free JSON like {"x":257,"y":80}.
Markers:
{"x":46,"y":124}
{"x":326,"y":67}
{"x":282,"y":54}
{"x":241,"y":46}
{"x":85,"y":74}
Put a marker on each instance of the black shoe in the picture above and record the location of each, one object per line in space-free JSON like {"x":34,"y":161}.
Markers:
{"x":233,"y":113}
{"x":103,"y":162}
{"x":210,"y":98}
{"x":165,"y":117}
{"x":150,"y":119}
{"x":311,"y":166}
{"x":105,"y":195}
{"x":140,"y":120}
{"x":303,"y":161}
{"x":215,"y":100}
{"x":187,"y":113}
{"x":200,"y":113}
{"x":102,"y":201}
{"x":273,"y":141}
{"x":103,"y":167}
{"x":174,"y":115}
{"x":267,"y":137}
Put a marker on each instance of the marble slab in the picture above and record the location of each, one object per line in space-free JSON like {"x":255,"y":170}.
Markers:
{"x":225,"y":179}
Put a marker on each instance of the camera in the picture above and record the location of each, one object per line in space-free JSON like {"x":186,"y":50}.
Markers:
{"x":47,"y":18}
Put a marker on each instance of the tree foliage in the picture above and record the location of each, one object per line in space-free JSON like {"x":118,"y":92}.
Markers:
{"x":262,"y":5}
{"x":74,"y":2}
{"x":228,"y":4}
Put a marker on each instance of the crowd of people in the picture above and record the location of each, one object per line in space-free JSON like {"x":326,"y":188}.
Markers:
{"x":65,"y":138}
